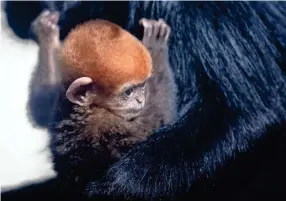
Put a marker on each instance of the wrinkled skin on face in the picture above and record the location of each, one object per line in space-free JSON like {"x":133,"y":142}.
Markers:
{"x":128,"y":103}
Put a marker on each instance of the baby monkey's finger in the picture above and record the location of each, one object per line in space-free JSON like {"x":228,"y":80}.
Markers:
{"x":165,"y":30}
{"x":168,"y":32}
{"x":55,"y":17}
{"x":147,"y":27}
{"x":156,"y":29}
{"x":45,"y":13}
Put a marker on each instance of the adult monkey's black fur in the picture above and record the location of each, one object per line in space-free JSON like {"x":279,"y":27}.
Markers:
{"x":229,"y":60}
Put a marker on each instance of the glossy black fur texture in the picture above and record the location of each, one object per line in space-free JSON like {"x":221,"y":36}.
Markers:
{"x":229,"y":62}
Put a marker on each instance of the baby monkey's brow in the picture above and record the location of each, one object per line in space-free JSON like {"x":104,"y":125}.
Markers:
{"x":135,"y":86}
{"x":141,"y":85}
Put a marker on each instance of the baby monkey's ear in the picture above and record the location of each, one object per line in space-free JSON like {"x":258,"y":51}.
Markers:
{"x":77,"y":91}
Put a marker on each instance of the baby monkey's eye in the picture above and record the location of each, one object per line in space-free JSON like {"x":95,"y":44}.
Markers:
{"x":128,"y":92}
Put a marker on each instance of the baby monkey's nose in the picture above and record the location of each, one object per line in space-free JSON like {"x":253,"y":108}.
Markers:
{"x":139,"y":100}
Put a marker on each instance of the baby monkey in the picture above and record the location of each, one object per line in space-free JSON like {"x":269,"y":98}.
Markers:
{"x":113,"y":90}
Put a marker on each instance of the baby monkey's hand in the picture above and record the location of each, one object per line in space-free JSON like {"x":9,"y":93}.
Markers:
{"x":156,"y":34}
{"x":45,"y":27}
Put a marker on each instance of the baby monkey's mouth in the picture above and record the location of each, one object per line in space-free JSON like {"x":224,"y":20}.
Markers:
{"x":129,"y":114}
{"x":134,"y":113}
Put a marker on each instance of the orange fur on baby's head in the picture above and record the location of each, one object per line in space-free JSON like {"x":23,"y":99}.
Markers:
{"x":106,"y":53}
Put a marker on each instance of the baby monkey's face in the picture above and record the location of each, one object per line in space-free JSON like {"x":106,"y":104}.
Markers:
{"x":129,"y":102}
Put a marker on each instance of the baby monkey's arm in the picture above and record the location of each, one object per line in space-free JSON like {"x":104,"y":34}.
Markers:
{"x":47,"y":32}
{"x":162,"y":84}
{"x":46,"y":79}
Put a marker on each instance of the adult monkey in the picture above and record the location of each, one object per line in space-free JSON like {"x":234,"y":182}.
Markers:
{"x":232,"y":142}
